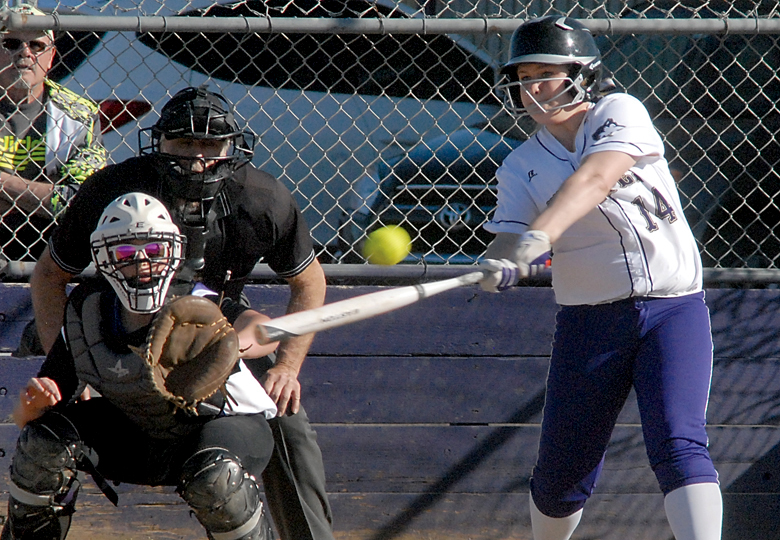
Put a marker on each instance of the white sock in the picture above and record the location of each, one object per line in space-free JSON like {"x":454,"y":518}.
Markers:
{"x":695,"y":512}
{"x":550,"y":528}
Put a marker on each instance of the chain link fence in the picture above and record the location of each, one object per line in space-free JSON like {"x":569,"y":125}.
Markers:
{"x":374,"y":112}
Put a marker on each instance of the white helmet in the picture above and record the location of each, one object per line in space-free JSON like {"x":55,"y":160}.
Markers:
{"x":128,"y":219}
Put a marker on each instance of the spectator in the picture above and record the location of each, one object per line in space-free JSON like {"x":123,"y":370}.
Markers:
{"x":50,"y":141}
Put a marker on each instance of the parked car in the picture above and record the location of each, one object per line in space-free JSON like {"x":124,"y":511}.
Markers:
{"x":442,"y":192}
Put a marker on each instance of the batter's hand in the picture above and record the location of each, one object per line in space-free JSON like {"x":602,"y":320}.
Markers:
{"x":532,"y":254}
{"x":281,"y":384}
{"x":500,"y":274}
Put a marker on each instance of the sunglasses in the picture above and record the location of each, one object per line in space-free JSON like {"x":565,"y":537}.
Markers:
{"x":36,"y":47}
{"x":127,"y":252}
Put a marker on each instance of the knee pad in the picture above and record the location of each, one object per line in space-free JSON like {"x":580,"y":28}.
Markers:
{"x":44,"y":480}
{"x":46,"y":456}
{"x":224,"y":497}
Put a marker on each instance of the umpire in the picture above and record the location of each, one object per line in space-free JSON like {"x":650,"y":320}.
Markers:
{"x":195,"y":159}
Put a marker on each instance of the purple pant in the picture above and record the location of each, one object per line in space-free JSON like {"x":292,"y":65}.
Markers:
{"x":662,"y":347}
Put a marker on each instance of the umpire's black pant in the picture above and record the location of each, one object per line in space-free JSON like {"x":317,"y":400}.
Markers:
{"x":294,"y":479}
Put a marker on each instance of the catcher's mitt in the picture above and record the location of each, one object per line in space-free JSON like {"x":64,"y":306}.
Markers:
{"x":191,"y":350}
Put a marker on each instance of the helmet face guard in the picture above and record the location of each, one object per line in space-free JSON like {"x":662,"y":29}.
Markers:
{"x":197,"y":113}
{"x":137,"y":248}
{"x":187,"y":185}
{"x":513,"y":101}
{"x":553,"y":40}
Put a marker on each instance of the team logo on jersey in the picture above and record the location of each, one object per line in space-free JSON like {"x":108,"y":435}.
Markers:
{"x":607,"y":129}
{"x":119,"y":370}
{"x":531,"y":174}
{"x":626,"y":180}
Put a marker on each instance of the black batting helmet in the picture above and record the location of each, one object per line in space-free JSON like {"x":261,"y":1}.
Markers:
{"x":554,"y":40}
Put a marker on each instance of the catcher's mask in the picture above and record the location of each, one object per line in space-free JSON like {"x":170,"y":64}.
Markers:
{"x":197,"y":113}
{"x":558,"y":41}
{"x":137,"y":248}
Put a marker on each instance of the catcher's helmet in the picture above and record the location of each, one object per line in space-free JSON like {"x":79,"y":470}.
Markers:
{"x":555,"y":40}
{"x":137,"y":216}
{"x":197,"y":113}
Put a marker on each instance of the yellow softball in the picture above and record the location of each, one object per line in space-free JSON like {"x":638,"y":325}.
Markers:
{"x":387,"y":246}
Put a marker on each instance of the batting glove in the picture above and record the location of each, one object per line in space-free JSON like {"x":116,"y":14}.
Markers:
{"x":499,"y":275}
{"x":532,"y":254}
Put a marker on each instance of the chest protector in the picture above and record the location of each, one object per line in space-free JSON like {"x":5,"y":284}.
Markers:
{"x":121,"y":377}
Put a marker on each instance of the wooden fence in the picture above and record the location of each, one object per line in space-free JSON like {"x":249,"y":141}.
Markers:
{"x":428,"y":419}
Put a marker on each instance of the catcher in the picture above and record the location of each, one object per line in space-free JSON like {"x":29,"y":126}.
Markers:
{"x":176,"y":405}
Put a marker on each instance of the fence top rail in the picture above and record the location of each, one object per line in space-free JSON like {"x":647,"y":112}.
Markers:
{"x":281,"y":25}
{"x":414,"y":273}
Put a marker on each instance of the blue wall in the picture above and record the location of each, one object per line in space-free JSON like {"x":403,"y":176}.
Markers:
{"x":428,"y":419}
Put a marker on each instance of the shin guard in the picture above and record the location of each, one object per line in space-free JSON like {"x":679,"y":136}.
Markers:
{"x":224,"y":497}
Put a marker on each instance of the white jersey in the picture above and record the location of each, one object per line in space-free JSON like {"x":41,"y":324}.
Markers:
{"x":245,"y":394}
{"x":637,"y":242}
